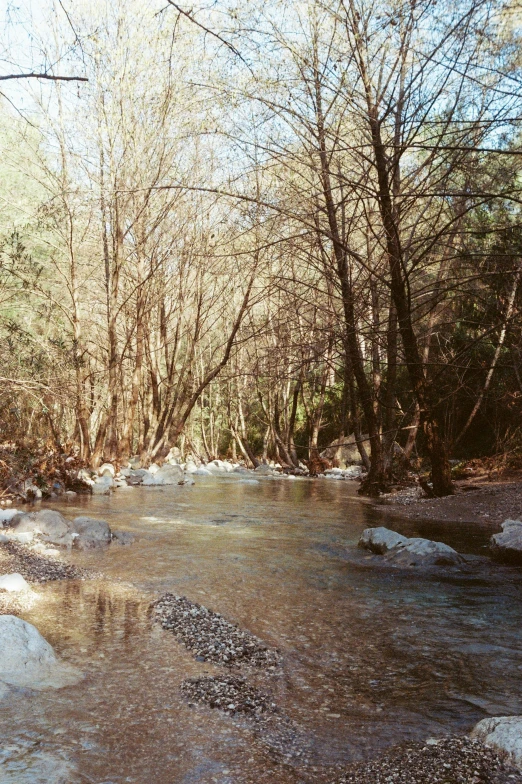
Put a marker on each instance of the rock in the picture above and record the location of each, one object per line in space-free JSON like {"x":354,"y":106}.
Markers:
{"x":103,"y":485}
{"x":380,"y":540}
{"x":25,"y":538}
{"x":70,"y":494}
{"x":91,"y":533}
{"x":216,"y":467}
{"x":27,"y":659}
{"x":107,"y":469}
{"x":13,"y":583}
{"x":190,"y":467}
{"x":153,"y":468}
{"x":85,"y":477}
{"x":202,"y":471}
{"x":188,"y":481}
{"x":170,"y":474}
{"x":32,"y":491}
{"x":264,"y":470}
{"x":51,"y":525}
{"x":502,"y":733}
{"x":345,"y":450}
{"x":401,"y":551}
{"x":424,"y":552}
{"x":123,"y":537}
{"x":135,"y":462}
{"x":507,"y":546}
{"x":6,"y":515}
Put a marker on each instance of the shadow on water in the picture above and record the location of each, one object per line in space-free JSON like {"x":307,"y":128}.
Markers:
{"x":371,"y":656}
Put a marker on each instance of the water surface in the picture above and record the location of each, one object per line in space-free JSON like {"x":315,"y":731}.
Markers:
{"x":371,"y":656}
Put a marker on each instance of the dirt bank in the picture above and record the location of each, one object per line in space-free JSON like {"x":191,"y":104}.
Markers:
{"x":488,"y":502}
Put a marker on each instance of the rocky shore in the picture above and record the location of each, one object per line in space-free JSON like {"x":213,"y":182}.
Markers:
{"x":452,"y":760}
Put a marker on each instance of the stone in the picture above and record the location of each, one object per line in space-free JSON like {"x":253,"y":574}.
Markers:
{"x":190,"y":467}
{"x":264,"y":470}
{"x":216,"y":467}
{"x":507,"y":546}
{"x":51,"y":525}
{"x":6,"y":515}
{"x":123,"y":537}
{"x":380,"y":540}
{"x":103,"y":485}
{"x":27,"y":659}
{"x":502,"y":733}
{"x":107,"y":469}
{"x":13,"y":583}
{"x":85,"y":477}
{"x":70,"y":494}
{"x":92,"y":533}
{"x":202,"y":471}
{"x":24,"y":538}
{"x":345,"y":450}
{"x":170,"y":474}
{"x":424,"y":552}
{"x":188,"y":480}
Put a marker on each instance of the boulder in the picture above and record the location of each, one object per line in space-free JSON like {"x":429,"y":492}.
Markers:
{"x":190,"y":467}
{"x":103,"y":485}
{"x":216,"y":467}
{"x":123,"y":537}
{"x":6,"y":515}
{"x":27,"y":659}
{"x":380,"y":540}
{"x":107,"y":469}
{"x":51,"y":525}
{"x":13,"y":583}
{"x":264,"y":470}
{"x":401,"y":551}
{"x":170,"y":474}
{"x":345,"y":450}
{"x":507,"y":546}
{"x":91,"y":533}
{"x":502,"y":733}
{"x":424,"y":552}
{"x":135,"y":476}
{"x":202,"y":471}
{"x":85,"y":477}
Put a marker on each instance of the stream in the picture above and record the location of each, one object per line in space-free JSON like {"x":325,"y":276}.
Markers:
{"x":371,"y":656}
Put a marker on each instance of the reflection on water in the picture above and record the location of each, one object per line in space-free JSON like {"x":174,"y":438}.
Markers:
{"x":371,"y":656}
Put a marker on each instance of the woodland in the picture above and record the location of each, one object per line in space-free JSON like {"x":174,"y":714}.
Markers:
{"x":249,"y":229}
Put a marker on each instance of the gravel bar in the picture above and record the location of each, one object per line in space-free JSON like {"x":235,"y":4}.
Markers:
{"x":229,"y":694}
{"x":36,"y":568}
{"x":453,"y":760}
{"x":209,"y":636}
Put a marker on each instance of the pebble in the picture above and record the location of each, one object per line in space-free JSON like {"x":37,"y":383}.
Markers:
{"x":209,"y":636}
{"x":36,"y":568}
{"x":452,"y":760}
{"x":229,"y":694}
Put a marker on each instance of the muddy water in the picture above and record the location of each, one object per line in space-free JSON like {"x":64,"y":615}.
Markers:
{"x":371,"y":656}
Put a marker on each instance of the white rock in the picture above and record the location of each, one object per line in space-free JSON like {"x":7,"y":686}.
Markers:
{"x":380,"y":540}
{"x":6,"y":515}
{"x":107,"y":469}
{"x":103,"y":485}
{"x":13,"y":583}
{"x":23,"y":538}
{"x":190,"y":468}
{"x":507,"y":546}
{"x":202,"y":471}
{"x":27,"y":659}
{"x":503,"y":733}
{"x":424,"y":552}
{"x":85,"y":477}
{"x":216,"y":467}
{"x":154,"y":468}
{"x":169,"y":474}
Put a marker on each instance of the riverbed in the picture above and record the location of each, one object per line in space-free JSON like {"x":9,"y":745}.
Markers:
{"x":370,"y":657}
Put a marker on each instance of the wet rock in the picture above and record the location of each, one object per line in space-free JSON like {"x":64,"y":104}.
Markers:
{"x":91,"y":533}
{"x":13,"y":583}
{"x":208,"y":635}
{"x":507,"y":546}
{"x":6,"y":515}
{"x":27,"y":659}
{"x":264,"y":470}
{"x":424,"y":552}
{"x":202,"y":471}
{"x":504,"y":734}
{"x":190,"y":467}
{"x":231,"y":695}
{"x":380,"y":540}
{"x":400,"y":551}
{"x":123,"y":537}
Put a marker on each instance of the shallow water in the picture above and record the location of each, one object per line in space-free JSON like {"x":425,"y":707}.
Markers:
{"x":371,"y":656}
